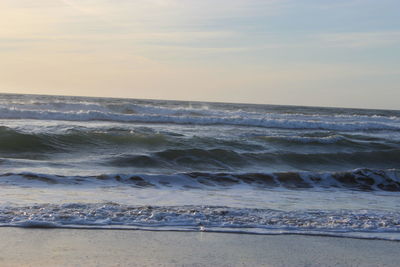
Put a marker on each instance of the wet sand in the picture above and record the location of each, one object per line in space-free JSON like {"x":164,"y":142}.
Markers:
{"x":74,"y":247}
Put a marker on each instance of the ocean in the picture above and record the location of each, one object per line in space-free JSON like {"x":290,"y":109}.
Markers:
{"x":80,"y":162}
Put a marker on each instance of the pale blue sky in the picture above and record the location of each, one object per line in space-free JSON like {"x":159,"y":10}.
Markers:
{"x":304,"y":52}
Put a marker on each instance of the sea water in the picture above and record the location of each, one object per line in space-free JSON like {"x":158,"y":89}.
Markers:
{"x":195,"y":166}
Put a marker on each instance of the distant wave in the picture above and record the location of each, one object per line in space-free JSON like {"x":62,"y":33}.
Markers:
{"x":359,"y":179}
{"x":200,"y":109}
{"x":203,"y":117}
{"x":356,"y":223}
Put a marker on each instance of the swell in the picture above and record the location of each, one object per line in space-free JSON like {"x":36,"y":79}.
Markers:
{"x":12,"y":140}
{"x":359,"y":179}
{"x":330,"y":140}
{"x":15,"y":141}
{"x":369,"y":223}
{"x":223,"y":159}
{"x":128,"y":148}
{"x":285,"y":121}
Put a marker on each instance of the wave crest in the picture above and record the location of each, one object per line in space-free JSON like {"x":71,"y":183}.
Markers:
{"x":359,"y":179}
{"x":144,"y":114}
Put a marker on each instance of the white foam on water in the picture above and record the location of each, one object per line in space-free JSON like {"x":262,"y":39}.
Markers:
{"x":282,"y":121}
{"x":361,"y":223}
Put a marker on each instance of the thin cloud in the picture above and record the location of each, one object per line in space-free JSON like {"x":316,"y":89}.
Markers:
{"x":360,"y":39}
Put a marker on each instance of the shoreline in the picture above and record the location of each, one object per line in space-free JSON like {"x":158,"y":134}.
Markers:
{"x":91,"y":228}
{"x":95,"y":247}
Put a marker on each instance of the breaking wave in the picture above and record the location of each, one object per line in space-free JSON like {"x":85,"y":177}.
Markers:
{"x":359,"y":179}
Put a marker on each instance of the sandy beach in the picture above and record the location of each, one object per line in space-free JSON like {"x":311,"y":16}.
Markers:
{"x":71,"y":247}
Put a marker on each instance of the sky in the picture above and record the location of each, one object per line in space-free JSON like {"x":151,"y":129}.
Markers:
{"x":342,"y":53}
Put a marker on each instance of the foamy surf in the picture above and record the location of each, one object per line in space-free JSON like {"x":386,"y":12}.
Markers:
{"x":364,"y":223}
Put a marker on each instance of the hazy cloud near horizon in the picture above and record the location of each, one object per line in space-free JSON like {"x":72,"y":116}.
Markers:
{"x":324,"y":53}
